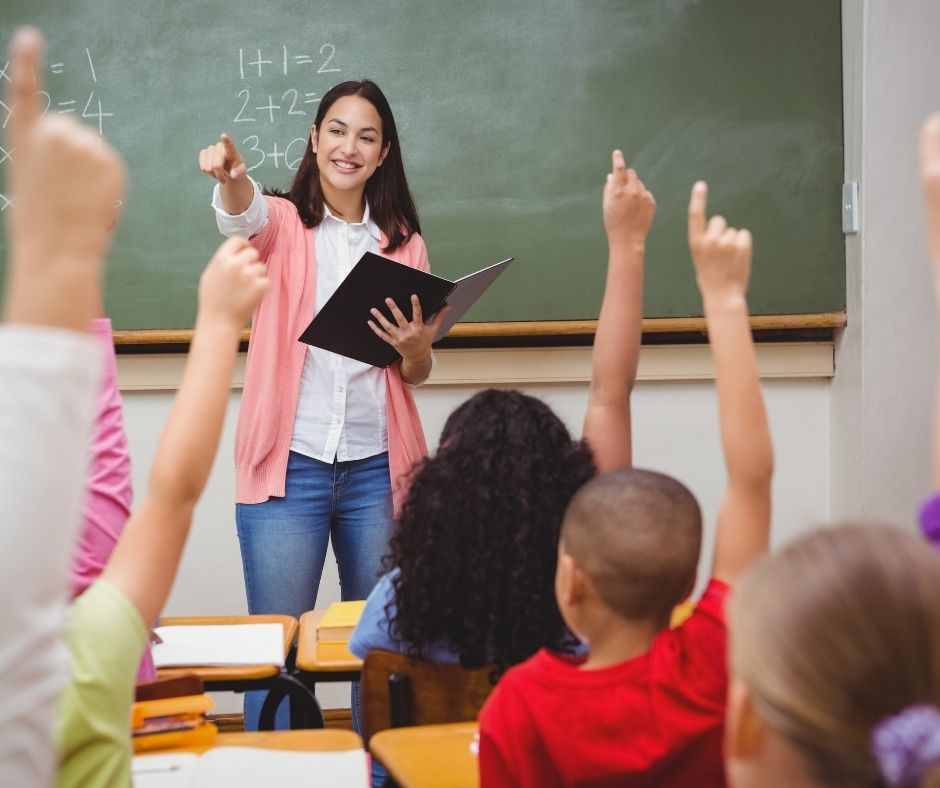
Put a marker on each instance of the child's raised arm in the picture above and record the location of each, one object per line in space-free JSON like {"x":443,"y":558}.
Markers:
{"x":144,"y":562}
{"x":930,"y":178}
{"x":64,"y":182}
{"x":628,"y":214}
{"x":722,"y":259}
{"x":67,"y":183}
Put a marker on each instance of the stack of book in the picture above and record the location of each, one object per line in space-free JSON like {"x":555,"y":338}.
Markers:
{"x":335,"y":629}
{"x":171,"y":713}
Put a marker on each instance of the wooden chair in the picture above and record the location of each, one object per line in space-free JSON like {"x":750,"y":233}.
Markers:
{"x":399,"y":691}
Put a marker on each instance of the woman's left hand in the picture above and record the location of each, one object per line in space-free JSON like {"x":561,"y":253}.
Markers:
{"x":412,"y":339}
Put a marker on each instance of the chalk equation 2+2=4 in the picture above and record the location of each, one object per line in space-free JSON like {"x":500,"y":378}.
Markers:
{"x":53,"y":100}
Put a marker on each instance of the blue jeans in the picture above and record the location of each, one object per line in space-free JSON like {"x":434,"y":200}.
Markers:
{"x":283,"y":543}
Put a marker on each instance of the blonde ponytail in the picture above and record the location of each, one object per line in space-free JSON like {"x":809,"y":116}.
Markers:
{"x":835,"y":634}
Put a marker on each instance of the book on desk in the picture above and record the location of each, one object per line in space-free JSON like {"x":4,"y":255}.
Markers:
{"x":335,"y":629}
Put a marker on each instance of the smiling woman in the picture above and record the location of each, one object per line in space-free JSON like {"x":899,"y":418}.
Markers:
{"x":323,"y":441}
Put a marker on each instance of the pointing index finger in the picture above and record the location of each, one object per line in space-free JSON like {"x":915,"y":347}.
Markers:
{"x":229,"y":143}
{"x":697,"y":204}
{"x":25,"y":82}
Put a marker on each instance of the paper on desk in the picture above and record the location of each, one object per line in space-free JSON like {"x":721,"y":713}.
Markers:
{"x":164,"y":771}
{"x":219,"y":644}
{"x":248,"y":767}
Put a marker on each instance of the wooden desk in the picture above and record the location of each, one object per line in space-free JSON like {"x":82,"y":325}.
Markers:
{"x":305,"y":710}
{"x":429,"y":756}
{"x":324,"y":741}
{"x":231,"y":672}
{"x":313,"y":669}
{"x":327,"y":740}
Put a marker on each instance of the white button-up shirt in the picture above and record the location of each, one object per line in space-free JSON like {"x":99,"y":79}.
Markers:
{"x":341,"y":409}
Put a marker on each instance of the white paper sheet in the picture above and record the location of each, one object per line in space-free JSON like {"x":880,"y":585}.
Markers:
{"x":219,"y":644}
{"x":249,"y":767}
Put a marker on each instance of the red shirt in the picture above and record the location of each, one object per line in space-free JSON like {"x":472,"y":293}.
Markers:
{"x":654,"y":720}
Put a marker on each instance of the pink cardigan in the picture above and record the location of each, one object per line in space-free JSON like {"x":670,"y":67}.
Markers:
{"x":276,"y":359}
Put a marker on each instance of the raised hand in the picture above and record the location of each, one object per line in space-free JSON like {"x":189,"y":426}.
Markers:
{"x":222,"y":161}
{"x":628,"y":209}
{"x":67,"y":184}
{"x":232,"y":285}
{"x":628,"y":206}
{"x":721,"y":254}
{"x":722,"y":259}
{"x":930,"y":178}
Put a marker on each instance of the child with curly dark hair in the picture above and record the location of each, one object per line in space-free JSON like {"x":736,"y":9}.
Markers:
{"x":472,"y":562}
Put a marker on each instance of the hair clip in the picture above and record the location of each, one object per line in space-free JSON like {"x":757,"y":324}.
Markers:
{"x":907,"y":744}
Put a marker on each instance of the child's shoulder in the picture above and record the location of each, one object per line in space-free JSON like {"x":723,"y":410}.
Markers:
{"x":714,"y":599}
{"x":373,"y":631}
{"x":546,"y":668}
{"x":703,"y":618}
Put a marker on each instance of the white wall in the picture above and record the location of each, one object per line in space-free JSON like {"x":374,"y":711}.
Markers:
{"x":881,"y":396}
{"x":675,"y":431}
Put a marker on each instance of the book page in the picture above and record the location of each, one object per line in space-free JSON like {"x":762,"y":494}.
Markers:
{"x":219,"y":644}
{"x":467,"y":290}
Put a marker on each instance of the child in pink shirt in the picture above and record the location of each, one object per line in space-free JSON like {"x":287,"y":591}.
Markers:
{"x":109,"y":493}
{"x":108,"y":501}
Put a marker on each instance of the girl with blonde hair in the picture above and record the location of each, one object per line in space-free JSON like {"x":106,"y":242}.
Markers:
{"x":835,"y":657}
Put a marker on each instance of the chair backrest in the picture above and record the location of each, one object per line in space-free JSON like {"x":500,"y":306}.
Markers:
{"x":397,"y":691}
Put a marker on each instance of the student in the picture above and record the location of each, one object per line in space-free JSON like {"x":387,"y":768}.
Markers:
{"x":645,"y":706}
{"x":109,"y":494}
{"x":836,"y":677}
{"x":108,"y":624}
{"x":323,"y":441}
{"x":473,"y":558}
{"x":836,"y":680}
{"x":65,"y":183}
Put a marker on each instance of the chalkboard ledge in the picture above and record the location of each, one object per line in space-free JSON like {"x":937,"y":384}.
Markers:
{"x":575,"y":331}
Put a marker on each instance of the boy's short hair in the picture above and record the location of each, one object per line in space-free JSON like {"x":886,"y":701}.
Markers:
{"x":637,"y":535}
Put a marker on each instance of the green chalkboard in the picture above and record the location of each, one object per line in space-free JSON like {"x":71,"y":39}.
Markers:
{"x":507,"y":113}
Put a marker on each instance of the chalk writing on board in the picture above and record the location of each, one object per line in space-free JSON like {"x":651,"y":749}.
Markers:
{"x":292,"y":104}
{"x":266,"y":108}
{"x":60,"y":100}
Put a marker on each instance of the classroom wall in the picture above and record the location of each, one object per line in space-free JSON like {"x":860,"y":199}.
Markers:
{"x":675,"y":431}
{"x":882,"y":390}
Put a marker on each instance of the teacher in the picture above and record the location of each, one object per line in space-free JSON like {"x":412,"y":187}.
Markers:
{"x":323,"y":442}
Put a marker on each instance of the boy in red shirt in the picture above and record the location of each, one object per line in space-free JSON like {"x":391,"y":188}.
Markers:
{"x":646,"y":705}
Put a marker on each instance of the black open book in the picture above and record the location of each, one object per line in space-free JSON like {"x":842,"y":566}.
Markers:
{"x":341,"y":326}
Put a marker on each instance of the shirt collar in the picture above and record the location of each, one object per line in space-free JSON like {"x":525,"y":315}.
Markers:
{"x":371,"y":227}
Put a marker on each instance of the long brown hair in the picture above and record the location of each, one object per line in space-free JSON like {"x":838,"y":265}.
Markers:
{"x":835,"y":634}
{"x":390,"y":202}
